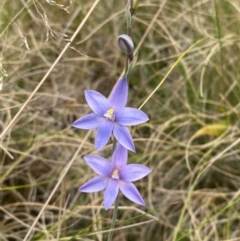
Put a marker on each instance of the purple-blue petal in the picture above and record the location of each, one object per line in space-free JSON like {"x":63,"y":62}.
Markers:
{"x":111,"y":193}
{"x":130,"y":116}
{"x":133,"y":172}
{"x":103,"y":134}
{"x":119,"y":94}
{"x":97,"y":102}
{"x":89,"y":121}
{"x":100,"y":165}
{"x":130,"y":191}
{"x":123,"y":136}
{"x":94,"y":185}
{"x":119,"y":157}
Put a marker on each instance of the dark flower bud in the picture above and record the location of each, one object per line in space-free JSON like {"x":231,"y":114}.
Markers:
{"x":125,"y":43}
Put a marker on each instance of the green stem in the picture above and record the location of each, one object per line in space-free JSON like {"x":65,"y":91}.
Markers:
{"x":129,"y":31}
{"x":115,"y":211}
{"x":114,"y":217}
{"x":126,"y":65}
{"x":114,"y":144}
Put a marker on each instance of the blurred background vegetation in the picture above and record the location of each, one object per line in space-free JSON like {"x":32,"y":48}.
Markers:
{"x":191,"y":142}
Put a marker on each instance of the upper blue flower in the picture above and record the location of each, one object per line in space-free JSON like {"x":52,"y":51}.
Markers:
{"x":111,"y":116}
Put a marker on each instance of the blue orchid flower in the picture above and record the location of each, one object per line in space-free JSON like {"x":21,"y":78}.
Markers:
{"x":114,"y":176}
{"x":111,"y":116}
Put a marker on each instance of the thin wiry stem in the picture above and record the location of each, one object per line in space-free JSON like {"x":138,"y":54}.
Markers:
{"x":114,"y":217}
{"x":126,"y":65}
{"x":110,"y":235}
{"x":114,"y":144}
{"x":115,"y":211}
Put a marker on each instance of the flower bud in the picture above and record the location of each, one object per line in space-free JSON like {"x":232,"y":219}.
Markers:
{"x":125,"y":43}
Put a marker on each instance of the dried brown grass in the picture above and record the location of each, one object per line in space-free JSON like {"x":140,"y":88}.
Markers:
{"x":191,"y":142}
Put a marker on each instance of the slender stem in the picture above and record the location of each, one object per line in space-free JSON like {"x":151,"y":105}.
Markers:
{"x":114,"y":144}
{"x":129,"y":31}
{"x":114,"y":217}
{"x":115,"y":211}
{"x":126,"y":65}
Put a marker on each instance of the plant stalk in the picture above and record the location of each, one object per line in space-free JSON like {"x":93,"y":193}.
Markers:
{"x":114,"y":217}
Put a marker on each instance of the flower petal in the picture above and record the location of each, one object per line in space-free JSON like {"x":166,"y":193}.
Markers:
{"x":119,"y":157}
{"x":119,"y":94}
{"x":103,"y":134}
{"x":130,"y":116}
{"x":123,"y":136}
{"x":89,"y":121}
{"x":100,"y":165}
{"x":133,"y":172}
{"x":97,"y":102}
{"x":111,"y":193}
{"x":130,"y":191}
{"x":94,"y":185}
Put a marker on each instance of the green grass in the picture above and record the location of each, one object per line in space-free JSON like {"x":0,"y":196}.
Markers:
{"x":186,"y":79}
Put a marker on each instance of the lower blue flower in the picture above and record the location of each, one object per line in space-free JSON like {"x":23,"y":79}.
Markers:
{"x":114,"y":176}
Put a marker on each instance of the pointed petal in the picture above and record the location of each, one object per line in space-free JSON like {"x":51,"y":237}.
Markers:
{"x":103,"y":134}
{"x":119,"y":94}
{"x":111,"y":193}
{"x":130,"y":116}
{"x":100,"y":165}
{"x":94,"y":185}
{"x":89,"y":121}
{"x":123,"y":136}
{"x":133,"y":172}
{"x":130,"y":191}
{"x":119,"y":157}
{"x":97,"y":102}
